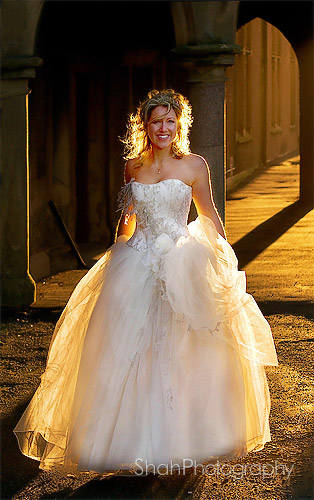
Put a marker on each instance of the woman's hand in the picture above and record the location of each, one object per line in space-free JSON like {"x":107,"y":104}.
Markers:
{"x":123,"y":238}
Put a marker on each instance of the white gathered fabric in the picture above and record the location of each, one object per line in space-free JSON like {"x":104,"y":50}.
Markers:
{"x":159,"y":353}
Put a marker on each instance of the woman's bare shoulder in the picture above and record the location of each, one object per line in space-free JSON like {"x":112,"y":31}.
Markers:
{"x":198,"y":166}
{"x":129,"y":169}
{"x":196,"y":161}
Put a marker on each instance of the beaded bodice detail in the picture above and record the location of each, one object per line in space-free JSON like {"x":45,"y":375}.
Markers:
{"x":161,"y":210}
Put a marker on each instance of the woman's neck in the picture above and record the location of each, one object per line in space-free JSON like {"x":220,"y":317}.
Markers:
{"x":160,"y":156}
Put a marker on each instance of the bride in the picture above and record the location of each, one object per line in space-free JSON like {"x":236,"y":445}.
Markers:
{"x":158,"y":148}
{"x":158,"y":357}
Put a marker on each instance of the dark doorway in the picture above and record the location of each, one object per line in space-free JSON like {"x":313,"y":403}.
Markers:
{"x":82,"y":229}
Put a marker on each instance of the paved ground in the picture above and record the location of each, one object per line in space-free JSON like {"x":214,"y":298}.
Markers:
{"x":273,"y":239}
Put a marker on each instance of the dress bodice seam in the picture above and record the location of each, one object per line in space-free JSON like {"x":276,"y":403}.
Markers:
{"x":156,"y":183}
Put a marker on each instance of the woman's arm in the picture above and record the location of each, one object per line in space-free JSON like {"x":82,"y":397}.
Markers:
{"x":202,"y":193}
{"x":127,"y":223}
{"x":125,"y":227}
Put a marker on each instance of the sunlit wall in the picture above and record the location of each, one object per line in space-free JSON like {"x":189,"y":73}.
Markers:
{"x":262,"y":101}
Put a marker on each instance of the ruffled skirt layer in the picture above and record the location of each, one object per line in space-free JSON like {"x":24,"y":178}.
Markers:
{"x":157,"y":358}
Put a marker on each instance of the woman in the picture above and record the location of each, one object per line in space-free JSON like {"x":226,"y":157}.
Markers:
{"x":158,"y":357}
{"x":159,"y":148}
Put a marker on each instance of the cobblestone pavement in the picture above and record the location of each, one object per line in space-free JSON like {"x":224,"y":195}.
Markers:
{"x":273,"y":239}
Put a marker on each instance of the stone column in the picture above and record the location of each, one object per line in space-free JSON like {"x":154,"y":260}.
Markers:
{"x":305,"y":55}
{"x":205,"y":65}
{"x":17,"y":285}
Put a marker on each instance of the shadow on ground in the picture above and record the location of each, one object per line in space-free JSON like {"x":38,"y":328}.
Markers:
{"x":262,"y":236}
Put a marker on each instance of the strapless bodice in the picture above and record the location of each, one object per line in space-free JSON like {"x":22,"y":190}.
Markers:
{"x":161,"y":209}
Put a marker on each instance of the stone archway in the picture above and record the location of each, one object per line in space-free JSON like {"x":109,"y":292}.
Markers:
{"x":262,"y":102}
{"x":296,"y":23}
{"x":20,"y":36}
{"x":204,"y":48}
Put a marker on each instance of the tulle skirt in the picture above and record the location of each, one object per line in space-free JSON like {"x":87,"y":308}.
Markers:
{"x":157,"y":358}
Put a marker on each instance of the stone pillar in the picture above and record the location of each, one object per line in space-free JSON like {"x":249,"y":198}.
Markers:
{"x":205,"y":65}
{"x":17,"y":285}
{"x":305,"y":55}
{"x":207,"y":135}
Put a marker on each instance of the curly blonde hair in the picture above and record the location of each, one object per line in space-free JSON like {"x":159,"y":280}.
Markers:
{"x":136,"y":140}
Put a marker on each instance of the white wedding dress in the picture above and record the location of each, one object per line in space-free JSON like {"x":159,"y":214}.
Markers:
{"x":159,"y":353}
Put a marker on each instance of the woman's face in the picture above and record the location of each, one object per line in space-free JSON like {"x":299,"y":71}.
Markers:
{"x":162,"y":131}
